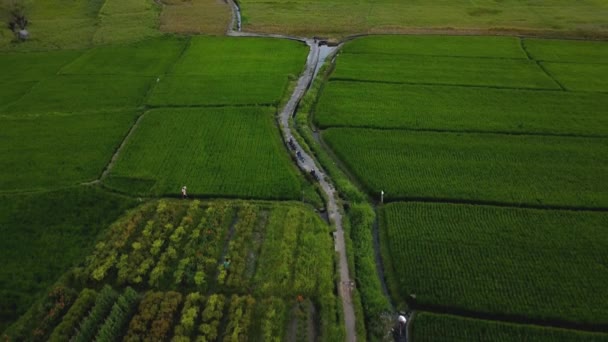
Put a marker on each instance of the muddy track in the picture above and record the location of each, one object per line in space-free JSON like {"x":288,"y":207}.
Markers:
{"x":306,"y":163}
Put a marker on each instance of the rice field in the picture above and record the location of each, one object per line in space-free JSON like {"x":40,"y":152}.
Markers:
{"x":227,"y":151}
{"x":438,"y":328}
{"x":53,"y":151}
{"x":490,"y":154}
{"x":490,"y":168}
{"x":467,"y":71}
{"x":447,"y":108}
{"x":535,"y":265}
{"x":234,"y":71}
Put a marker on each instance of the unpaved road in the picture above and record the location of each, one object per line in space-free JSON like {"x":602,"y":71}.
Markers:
{"x":307,"y":163}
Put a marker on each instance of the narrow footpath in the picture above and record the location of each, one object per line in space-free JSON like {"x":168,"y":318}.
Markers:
{"x":306,"y":163}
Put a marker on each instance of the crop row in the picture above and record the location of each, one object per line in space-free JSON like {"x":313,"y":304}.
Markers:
{"x":147,"y":247}
{"x":504,"y":262}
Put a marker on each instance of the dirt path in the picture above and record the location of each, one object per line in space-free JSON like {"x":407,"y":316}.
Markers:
{"x":306,"y":163}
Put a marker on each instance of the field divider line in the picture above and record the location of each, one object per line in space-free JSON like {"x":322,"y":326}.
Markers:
{"x":542,"y":67}
{"x":346,"y":79}
{"x":512,"y":318}
{"x":431,"y":55}
{"x":136,"y":124}
{"x":219,"y":105}
{"x":448,"y":85}
{"x":114,"y":158}
{"x":539,"y":63}
{"x":494,"y":204}
{"x":468,"y":131}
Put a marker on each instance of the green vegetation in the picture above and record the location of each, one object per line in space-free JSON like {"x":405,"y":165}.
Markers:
{"x":576,"y":51}
{"x":227,"y":151}
{"x":432,"y":119}
{"x":369,"y":300}
{"x":33,"y":66}
{"x":78,"y":93}
{"x":339,"y":18}
{"x":172,"y":251}
{"x":500,"y":261}
{"x":439,"y":328}
{"x":531,"y":170}
{"x":580,"y":77}
{"x":151,"y":57}
{"x":452,"y":46}
{"x":56,"y":25}
{"x":418,"y":107}
{"x":53,"y":151}
{"x":507,"y":73}
{"x":232,"y":71}
{"x":43,"y":234}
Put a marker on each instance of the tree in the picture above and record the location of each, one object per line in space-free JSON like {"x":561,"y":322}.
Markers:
{"x":16,"y":10}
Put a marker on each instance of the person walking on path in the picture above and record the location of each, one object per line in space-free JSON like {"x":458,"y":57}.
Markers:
{"x":184,"y":192}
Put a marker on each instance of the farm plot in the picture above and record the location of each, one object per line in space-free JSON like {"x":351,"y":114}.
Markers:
{"x":146,"y":58}
{"x":576,"y":51}
{"x":33,"y":66}
{"x":203,"y":270}
{"x":453,"y":46}
{"x":580,"y":77}
{"x":528,"y":170}
{"x":234,"y":152}
{"x":228,"y":71}
{"x":127,"y":20}
{"x":58,"y":150}
{"x":438,"y":328}
{"x":470,"y":71}
{"x":339,"y":18}
{"x":44,"y":234}
{"x":197,"y":16}
{"x":81,"y":93}
{"x":446,"y":108}
{"x":534,"y":265}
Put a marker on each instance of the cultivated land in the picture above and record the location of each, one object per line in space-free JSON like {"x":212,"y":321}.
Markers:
{"x":452,"y":127}
{"x":480,"y":120}
{"x":277,"y":285}
{"x":68,"y":113}
{"x":491,"y":168}
{"x":448,"y":328}
{"x":339,"y":18}
{"x":228,"y":151}
{"x":195,"y":16}
{"x":235,"y":71}
{"x":43,"y":234}
{"x":538,"y":265}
